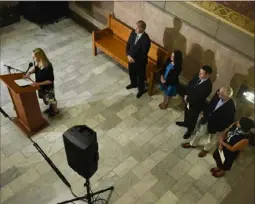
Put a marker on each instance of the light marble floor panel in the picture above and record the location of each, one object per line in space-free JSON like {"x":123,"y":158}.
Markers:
{"x":139,"y":144}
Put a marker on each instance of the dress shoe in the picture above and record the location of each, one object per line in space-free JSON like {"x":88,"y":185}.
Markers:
{"x":139,"y":94}
{"x":182,"y":124}
{"x":130,"y":87}
{"x":203,"y":153}
{"x":187,"y":145}
{"x":187,"y":135}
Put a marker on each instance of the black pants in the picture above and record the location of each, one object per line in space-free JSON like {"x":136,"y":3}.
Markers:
{"x":227,"y":163}
{"x":137,"y":75}
{"x":191,"y":117}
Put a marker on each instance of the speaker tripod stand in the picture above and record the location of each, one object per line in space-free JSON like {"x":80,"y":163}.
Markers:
{"x":89,"y":197}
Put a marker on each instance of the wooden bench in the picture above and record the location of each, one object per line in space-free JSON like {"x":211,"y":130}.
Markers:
{"x":112,"y":41}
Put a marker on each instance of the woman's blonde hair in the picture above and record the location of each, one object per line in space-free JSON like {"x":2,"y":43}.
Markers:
{"x":44,"y":61}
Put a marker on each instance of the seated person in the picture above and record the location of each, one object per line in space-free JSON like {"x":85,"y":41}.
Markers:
{"x":170,"y":77}
{"x":232,"y":141}
{"x":44,"y":79}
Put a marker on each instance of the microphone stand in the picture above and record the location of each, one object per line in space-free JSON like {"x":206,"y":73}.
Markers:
{"x":14,"y":69}
{"x":49,"y":161}
{"x":60,"y":175}
{"x":17,"y":70}
{"x":5,"y":114}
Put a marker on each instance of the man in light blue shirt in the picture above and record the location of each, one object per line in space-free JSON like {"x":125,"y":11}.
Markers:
{"x":218,"y":116}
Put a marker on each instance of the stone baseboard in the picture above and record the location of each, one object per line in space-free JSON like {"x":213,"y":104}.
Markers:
{"x":81,"y":17}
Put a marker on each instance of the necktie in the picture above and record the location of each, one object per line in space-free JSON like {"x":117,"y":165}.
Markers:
{"x":137,"y":37}
{"x":198,"y":81}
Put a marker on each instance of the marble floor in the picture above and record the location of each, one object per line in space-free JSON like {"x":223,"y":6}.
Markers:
{"x":139,"y":144}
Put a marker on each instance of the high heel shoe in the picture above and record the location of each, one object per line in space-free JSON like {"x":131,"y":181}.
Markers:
{"x":164,"y":106}
{"x":214,"y":170}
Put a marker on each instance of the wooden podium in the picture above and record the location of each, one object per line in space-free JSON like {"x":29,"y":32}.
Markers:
{"x":29,"y":117}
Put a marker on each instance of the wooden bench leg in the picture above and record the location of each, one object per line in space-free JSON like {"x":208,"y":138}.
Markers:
{"x":94,"y":50}
{"x":93,"y":44}
{"x":151,"y":84}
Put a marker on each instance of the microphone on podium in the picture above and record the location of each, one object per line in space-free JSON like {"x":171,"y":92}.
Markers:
{"x":29,"y":66}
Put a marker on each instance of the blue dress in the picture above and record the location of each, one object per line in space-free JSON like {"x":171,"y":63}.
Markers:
{"x":170,"y":90}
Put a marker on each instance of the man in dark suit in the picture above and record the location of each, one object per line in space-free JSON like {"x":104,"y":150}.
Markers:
{"x":137,"y":49}
{"x":217,"y":116}
{"x":199,"y":88}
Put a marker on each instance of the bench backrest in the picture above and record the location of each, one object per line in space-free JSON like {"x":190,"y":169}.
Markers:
{"x":157,"y":54}
{"x":118,"y":28}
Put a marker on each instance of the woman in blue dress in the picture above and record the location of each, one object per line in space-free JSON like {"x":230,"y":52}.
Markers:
{"x":169,"y":78}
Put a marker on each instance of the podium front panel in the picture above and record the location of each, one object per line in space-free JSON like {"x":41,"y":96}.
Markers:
{"x":28,"y":110}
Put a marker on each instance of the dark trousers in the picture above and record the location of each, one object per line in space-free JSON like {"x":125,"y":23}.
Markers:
{"x":191,"y":117}
{"x":227,"y":163}
{"x":137,"y":75}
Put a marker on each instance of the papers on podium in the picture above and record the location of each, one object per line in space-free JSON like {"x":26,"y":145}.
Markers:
{"x":24,"y":82}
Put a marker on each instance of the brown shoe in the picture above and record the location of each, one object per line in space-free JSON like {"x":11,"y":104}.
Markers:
{"x":187,"y":145}
{"x":203,"y":153}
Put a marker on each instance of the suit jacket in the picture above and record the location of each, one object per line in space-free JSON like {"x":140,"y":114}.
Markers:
{"x":220,"y":119}
{"x":173,"y":75}
{"x":197,"y":95}
{"x":138,"y":51}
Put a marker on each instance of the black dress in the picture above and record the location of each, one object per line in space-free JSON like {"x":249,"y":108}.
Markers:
{"x":234,"y":136}
{"x":46,"y":92}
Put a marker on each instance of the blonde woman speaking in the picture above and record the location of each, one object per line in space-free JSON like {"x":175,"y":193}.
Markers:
{"x":44,"y":79}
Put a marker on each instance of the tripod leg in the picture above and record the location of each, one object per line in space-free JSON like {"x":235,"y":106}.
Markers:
{"x":89,"y":195}
{"x":102,"y":191}
{"x":75,"y":199}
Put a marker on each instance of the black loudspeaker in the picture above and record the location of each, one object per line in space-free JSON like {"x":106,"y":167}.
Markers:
{"x":81,"y":150}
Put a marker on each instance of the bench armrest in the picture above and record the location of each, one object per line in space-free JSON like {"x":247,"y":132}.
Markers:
{"x":100,"y":33}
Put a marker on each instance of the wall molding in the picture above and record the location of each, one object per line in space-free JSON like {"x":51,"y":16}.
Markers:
{"x":225,"y":15}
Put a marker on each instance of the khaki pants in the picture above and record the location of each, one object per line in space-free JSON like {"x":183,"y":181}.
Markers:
{"x":203,"y":138}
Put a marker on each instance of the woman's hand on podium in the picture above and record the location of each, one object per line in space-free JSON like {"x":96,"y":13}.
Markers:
{"x":35,"y":84}
{"x":26,"y":76}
